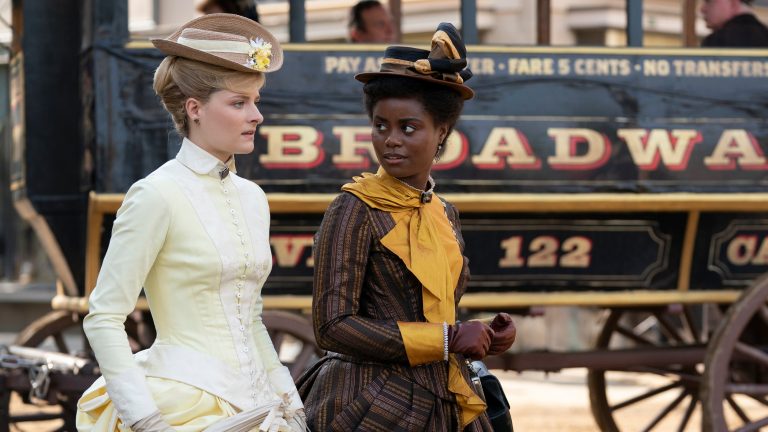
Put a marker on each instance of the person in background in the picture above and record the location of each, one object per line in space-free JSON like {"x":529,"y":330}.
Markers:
{"x":246,"y":8}
{"x":733,"y":24}
{"x":390,"y":270}
{"x":195,"y":236}
{"x":370,"y":22}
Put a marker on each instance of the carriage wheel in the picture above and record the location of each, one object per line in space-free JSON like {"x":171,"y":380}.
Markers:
{"x":291,"y":333}
{"x":294,"y":340}
{"x":48,"y":332}
{"x":735,"y":386}
{"x":50,"y":326}
{"x":671,"y":391}
{"x":53,"y":331}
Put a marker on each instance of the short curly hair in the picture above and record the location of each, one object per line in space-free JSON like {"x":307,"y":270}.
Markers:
{"x":442,"y":103}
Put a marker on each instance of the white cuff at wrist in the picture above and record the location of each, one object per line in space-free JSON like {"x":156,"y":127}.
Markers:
{"x":282,"y":383}
{"x":131,"y":396}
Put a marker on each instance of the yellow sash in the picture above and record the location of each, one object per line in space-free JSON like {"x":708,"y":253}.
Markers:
{"x":424,"y":240}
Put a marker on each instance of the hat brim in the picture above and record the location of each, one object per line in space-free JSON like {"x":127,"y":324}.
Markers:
{"x":176,"y":49}
{"x":465,"y":92}
{"x":221,"y":23}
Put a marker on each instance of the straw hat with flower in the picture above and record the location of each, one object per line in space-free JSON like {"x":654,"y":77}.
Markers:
{"x":226,"y":40}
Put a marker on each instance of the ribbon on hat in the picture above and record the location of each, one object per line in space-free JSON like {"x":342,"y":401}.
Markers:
{"x":258,"y":51}
{"x":445,"y":63}
{"x":448,"y":56}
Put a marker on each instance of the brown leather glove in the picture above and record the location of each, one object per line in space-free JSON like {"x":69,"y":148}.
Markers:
{"x":470,"y":338}
{"x":504,"y":333}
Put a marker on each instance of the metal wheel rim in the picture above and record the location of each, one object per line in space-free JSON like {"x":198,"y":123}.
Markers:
{"x":682,"y":386}
{"x":720,"y":355}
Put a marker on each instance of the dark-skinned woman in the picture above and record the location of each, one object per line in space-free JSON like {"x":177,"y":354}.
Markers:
{"x":389,"y":268}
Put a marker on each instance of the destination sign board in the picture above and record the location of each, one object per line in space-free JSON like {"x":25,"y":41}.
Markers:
{"x":532,"y":252}
{"x":544,"y":120}
{"x":732,"y":250}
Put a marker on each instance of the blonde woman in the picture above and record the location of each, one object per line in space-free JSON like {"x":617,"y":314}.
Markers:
{"x":194,"y":235}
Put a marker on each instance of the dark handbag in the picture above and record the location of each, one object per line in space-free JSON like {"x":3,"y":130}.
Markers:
{"x":488,"y":387}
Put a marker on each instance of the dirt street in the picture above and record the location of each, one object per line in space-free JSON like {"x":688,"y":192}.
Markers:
{"x":560,"y":402}
{"x":556,"y":402}
{"x":540,"y":403}
{"x":548,"y":403}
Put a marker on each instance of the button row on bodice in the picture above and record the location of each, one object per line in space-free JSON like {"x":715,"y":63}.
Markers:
{"x":257,"y":380}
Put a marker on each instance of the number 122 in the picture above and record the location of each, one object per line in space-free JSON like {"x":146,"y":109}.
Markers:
{"x":546,"y":251}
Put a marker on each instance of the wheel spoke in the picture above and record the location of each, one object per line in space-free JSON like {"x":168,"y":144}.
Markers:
{"x":737,"y":409}
{"x":753,"y":353}
{"x":668,"y":328}
{"x":747,"y":389}
{"x":644,"y":396}
{"x":690,"y":324}
{"x":760,"y":399}
{"x":666,"y":411}
{"x":688,"y":412}
{"x":643,"y":326}
{"x":682,"y":376}
{"x":712,"y":314}
{"x":61,"y":344}
{"x":764,"y":314}
{"x":753,"y":426}
{"x":630,"y":334}
{"x":674,"y":395}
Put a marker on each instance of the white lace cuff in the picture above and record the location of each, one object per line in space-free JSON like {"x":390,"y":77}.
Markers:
{"x":282,"y":382}
{"x":131,"y":396}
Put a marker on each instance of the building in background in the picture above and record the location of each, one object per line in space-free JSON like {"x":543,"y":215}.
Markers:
{"x":500,"y":22}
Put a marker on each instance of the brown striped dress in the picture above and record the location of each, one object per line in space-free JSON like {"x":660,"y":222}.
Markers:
{"x":361,"y":290}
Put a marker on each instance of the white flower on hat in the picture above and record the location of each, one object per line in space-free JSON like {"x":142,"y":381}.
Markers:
{"x":259,"y":56}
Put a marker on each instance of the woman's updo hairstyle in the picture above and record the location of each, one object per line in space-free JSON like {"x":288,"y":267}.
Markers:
{"x":211,"y":53}
{"x":178,"y":79}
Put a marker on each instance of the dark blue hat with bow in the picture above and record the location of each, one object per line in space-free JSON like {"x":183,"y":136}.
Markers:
{"x":444,"y":64}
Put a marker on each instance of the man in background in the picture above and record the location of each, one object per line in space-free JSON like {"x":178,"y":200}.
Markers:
{"x":246,"y":8}
{"x":370,"y":22}
{"x":733,"y":23}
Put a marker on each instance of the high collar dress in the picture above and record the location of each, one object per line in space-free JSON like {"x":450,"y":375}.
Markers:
{"x":196,"y":241}
{"x":361,"y":291}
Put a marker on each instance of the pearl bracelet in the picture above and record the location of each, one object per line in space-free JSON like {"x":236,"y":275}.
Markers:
{"x":445,"y":341}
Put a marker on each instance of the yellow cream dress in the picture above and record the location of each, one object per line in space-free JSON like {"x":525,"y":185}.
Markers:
{"x":197,"y":242}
